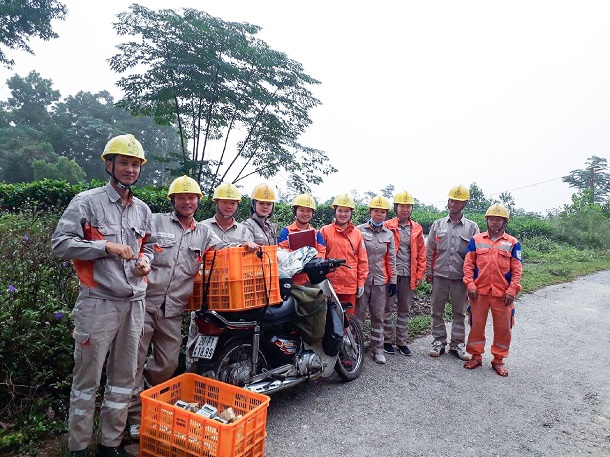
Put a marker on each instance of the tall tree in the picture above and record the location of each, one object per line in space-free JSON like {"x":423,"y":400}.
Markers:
{"x":477,"y":203}
{"x":593,"y":177}
{"x":388,"y":191}
{"x":239,"y":106}
{"x":31,"y":100}
{"x":23,"y":19}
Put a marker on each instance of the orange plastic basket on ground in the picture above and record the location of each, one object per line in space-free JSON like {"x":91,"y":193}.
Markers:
{"x":167,"y":430}
{"x":239,"y":280}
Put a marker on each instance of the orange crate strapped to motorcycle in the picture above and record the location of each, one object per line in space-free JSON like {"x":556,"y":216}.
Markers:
{"x":239,"y":280}
{"x":168,"y":430}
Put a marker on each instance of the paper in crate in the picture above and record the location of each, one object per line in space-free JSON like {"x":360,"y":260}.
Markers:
{"x":239,"y":280}
{"x":167,"y":430}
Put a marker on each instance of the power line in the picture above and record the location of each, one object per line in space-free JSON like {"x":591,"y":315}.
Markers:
{"x":529,"y":185}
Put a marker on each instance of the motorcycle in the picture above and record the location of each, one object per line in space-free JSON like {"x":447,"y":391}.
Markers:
{"x":263,"y":351}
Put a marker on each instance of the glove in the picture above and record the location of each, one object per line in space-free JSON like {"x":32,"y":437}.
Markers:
{"x":359,"y":292}
{"x":392,"y":289}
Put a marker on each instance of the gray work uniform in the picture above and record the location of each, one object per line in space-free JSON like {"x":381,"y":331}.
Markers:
{"x":381,"y":254}
{"x":264,"y":233}
{"x":235,"y":235}
{"x":109,"y":312}
{"x":179,"y":254}
{"x":445,"y":251}
{"x":404,"y":293}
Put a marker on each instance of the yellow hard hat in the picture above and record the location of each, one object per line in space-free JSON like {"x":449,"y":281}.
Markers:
{"x":380,"y":203}
{"x":263,"y":193}
{"x":344,"y":200}
{"x":226,"y":191}
{"x":497,"y":210}
{"x":404,"y":198}
{"x":125,"y":145}
{"x":184,"y":185}
{"x":460,"y":193}
{"x":305,"y":200}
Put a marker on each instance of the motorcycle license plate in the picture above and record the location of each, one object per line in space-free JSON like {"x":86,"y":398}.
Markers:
{"x":205,"y":347}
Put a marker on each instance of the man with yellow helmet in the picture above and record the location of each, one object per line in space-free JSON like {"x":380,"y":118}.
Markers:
{"x":445,"y":251}
{"x":180,"y":243}
{"x":104,"y":231}
{"x":303,"y":207}
{"x":264,"y":232}
{"x":226,"y":200}
{"x":381,"y":279}
{"x":410,"y":268}
{"x":343,"y":241}
{"x":492,"y":274}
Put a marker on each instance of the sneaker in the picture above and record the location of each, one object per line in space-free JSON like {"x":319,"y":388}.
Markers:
{"x":437,"y":350}
{"x":404,"y":350}
{"x":107,"y":451}
{"x":134,"y":432}
{"x":460,"y":352}
{"x":388,"y":348}
{"x":378,"y":357}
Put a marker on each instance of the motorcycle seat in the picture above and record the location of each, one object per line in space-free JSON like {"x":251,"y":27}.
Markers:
{"x":279,"y":312}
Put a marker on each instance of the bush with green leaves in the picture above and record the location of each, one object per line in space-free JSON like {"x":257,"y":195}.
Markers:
{"x":37,"y":292}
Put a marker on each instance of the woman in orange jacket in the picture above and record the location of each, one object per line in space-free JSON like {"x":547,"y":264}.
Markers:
{"x":343,"y":241}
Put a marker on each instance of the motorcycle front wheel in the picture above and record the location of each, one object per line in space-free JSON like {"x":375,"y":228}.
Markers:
{"x":351,"y":356}
{"x":234,"y":365}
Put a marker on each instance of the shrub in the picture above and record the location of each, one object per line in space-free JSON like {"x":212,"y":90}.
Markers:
{"x":37,"y":292}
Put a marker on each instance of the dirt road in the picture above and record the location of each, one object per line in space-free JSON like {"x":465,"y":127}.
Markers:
{"x":555,"y":402}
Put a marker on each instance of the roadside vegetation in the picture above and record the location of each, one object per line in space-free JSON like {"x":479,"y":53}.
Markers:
{"x":37,"y":290}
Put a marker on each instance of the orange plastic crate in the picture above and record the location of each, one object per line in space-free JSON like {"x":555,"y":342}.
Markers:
{"x":167,"y":430}
{"x":238,"y":281}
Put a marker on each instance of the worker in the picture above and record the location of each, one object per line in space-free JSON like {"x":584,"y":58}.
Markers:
{"x":303,"y":208}
{"x":381,"y":280}
{"x":226,"y":200}
{"x":445,"y":251}
{"x":179,"y":247}
{"x":492,"y":274}
{"x":104,"y":231}
{"x":343,"y":241}
{"x":264,"y":232}
{"x":410,"y":269}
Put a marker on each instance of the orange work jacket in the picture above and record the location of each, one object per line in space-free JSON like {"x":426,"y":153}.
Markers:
{"x":346,"y":244}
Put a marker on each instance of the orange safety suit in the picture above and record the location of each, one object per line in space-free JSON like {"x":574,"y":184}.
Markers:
{"x":406,"y":284}
{"x":493,"y":268}
{"x":346,"y":244}
{"x":301,"y":278}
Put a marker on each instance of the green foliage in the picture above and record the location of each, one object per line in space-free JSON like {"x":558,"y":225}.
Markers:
{"x":60,"y":168}
{"x":37,"y":292}
{"x":23,"y":20}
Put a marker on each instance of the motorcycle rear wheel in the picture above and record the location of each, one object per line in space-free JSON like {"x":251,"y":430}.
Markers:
{"x":234,"y":365}
{"x":351,"y":360}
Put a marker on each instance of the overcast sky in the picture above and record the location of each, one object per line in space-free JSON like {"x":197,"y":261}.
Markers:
{"x":420,"y":95}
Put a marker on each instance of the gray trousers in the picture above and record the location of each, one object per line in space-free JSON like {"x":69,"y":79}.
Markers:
{"x":374,"y":298}
{"x":443,"y":291}
{"x":164,"y":334}
{"x":103,"y":328}
{"x":403,"y":300}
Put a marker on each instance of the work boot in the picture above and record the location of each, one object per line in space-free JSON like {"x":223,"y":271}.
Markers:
{"x":404,"y":350}
{"x":107,"y":451}
{"x":437,"y":350}
{"x":81,"y":453}
{"x":388,"y":348}
{"x":378,"y":357}
{"x":459,"y":351}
